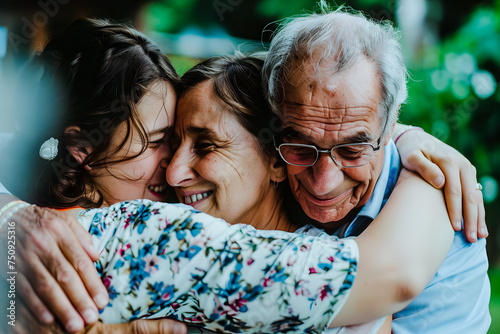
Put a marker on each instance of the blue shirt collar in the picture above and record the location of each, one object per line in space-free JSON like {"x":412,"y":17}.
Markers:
{"x":383,"y":188}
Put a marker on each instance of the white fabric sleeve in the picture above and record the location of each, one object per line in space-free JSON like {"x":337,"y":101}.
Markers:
{"x":4,"y":190}
{"x":164,"y":260}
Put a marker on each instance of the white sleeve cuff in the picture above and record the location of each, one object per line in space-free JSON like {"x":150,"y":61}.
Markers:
{"x":4,"y":190}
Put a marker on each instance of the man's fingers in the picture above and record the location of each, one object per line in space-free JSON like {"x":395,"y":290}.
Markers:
{"x":453,"y":196}
{"x":66,"y":259}
{"x":429,"y":171}
{"x":68,"y":277}
{"x":84,"y":271}
{"x":82,"y":235}
{"x":156,"y":326}
{"x":28,"y":323}
{"x":53,"y":296}
{"x":31,"y":299}
{"x":160,"y":326}
{"x":470,"y":204}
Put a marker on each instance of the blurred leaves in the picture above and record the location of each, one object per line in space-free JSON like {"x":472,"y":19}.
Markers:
{"x":275,"y":8}
{"x":168,"y":16}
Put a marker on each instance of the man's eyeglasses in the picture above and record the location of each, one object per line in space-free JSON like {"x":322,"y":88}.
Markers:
{"x":344,"y":155}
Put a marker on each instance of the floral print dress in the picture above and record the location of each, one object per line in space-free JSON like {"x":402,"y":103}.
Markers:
{"x":169,"y":260}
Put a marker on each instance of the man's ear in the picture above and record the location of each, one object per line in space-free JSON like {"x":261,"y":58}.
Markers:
{"x":389,"y":134}
{"x":277,"y":170}
{"x":80,"y":153}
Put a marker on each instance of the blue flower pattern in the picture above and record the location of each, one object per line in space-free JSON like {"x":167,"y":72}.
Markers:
{"x":165,"y":260}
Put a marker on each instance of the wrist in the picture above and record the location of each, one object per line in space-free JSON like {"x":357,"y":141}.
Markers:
{"x":8,"y":210}
{"x":405,"y":130}
{"x":6,"y":199}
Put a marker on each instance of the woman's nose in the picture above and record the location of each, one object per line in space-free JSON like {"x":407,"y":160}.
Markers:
{"x":180,"y":169}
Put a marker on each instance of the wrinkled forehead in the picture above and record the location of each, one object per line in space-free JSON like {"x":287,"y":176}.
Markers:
{"x":318,"y":100}
{"x":197,"y":104}
{"x":200,"y":111}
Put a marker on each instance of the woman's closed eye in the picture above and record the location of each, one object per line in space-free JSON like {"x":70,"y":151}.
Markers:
{"x":204,"y":146}
{"x":158,"y":142}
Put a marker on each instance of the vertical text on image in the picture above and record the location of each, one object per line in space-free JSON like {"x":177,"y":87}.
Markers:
{"x":11,"y":272}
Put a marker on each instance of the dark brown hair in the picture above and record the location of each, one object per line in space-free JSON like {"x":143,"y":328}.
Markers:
{"x":97,"y":71}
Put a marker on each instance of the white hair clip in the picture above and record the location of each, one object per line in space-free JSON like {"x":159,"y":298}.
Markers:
{"x":48,"y":151}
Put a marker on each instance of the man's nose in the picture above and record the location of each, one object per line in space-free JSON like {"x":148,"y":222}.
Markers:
{"x":325,"y":174}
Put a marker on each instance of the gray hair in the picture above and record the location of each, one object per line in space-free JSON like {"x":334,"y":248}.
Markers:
{"x":342,"y":37}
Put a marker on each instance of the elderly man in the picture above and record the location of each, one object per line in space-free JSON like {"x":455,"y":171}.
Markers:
{"x":336,"y":81}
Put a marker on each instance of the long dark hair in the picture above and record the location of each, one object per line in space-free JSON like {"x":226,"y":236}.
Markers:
{"x":97,"y":71}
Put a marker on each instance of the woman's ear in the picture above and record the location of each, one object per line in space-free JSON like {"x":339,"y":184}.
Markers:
{"x":80,"y":153}
{"x":277,"y":170}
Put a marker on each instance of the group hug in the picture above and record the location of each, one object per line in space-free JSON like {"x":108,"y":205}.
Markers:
{"x":258,"y":193}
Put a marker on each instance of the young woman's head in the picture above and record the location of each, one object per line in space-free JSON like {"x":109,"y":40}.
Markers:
{"x":225,"y":164}
{"x":111,"y":109}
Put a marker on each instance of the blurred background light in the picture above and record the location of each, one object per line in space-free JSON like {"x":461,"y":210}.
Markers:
{"x":3,"y":41}
{"x":484,"y":84}
{"x":440,"y":79}
{"x":460,"y":88}
{"x":490,"y":188}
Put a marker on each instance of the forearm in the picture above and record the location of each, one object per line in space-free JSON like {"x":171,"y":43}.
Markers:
{"x":399,"y":252}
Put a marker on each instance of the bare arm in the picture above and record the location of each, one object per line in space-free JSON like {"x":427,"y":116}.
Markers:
{"x":400,"y":251}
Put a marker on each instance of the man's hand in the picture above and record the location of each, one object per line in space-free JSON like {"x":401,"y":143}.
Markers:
{"x":56,"y":276}
{"x":28,"y":324}
{"x":442,"y":165}
{"x":157,"y":326}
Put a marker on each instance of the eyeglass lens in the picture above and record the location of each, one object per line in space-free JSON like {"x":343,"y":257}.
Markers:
{"x":345,"y":156}
{"x":298,"y":155}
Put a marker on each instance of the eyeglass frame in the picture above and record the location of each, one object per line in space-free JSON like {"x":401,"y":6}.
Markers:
{"x":320,"y":150}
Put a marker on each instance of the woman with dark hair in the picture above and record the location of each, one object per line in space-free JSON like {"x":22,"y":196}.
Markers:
{"x":104,"y":97}
{"x":94,"y":130}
